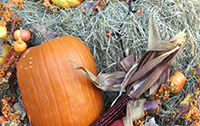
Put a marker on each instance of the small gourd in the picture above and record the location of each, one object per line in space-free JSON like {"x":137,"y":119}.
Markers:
{"x":25,"y":35}
{"x":19,"y":45}
{"x":177,"y":81}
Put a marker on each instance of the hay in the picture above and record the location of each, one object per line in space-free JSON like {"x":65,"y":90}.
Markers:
{"x":171,"y":17}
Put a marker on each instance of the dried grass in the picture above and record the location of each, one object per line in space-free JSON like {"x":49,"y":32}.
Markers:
{"x":171,"y":16}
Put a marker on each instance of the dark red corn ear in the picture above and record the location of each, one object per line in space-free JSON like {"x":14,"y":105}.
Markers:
{"x":113,"y":113}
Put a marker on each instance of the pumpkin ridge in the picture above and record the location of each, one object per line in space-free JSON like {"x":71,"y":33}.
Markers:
{"x":22,"y":65}
{"x":41,"y":80}
{"x":80,"y":45}
{"x":39,"y":72}
{"x":47,"y":71}
{"x":90,"y":61}
{"x":64,"y":40}
{"x":92,"y":94}
{"x":43,"y":119}
{"x":26,"y":92}
{"x":55,"y":44}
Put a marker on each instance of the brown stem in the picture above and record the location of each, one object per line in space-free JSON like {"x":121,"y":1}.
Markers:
{"x":13,"y":25}
{"x":173,"y":122}
{"x":184,"y":91}
{"x":8,"y":59}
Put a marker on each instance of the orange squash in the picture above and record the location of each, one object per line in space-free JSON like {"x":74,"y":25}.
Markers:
{"x":177,"y":81}
{"x":67,"y":3}
{"x":19,"y":46}
{"x":53,"y":93}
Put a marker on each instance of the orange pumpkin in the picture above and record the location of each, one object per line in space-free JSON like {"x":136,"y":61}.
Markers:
{"x":53,"y":93}
{"x":177,"y":81}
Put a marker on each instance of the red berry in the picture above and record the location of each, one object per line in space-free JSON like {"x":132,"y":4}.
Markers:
{"x":3,"y":119}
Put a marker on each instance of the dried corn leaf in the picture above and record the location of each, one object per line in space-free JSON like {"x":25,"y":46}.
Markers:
{"x":153,"y":68}
{"x":135,"y":111}
{"x":127,"y":62}
{"x":154,"y":35}
{"x":104,"y":81}
{"x":111,"y":81}
{"x":154,"y":88}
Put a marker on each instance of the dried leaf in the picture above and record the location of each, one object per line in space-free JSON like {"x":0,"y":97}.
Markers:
{"x":147,"y":75}
{"x":150,"y":65}
{"x":135,"y":111}
{"x":196,"y":70}
{"x":154,"y":35}
{"x":184,"y":108}
{"x":156,"y":75}
{"x":153,"y":89}
{"x":90,"y":75}
{"x":111,"y":81}
{"x":154,"y":65}
{"x":104,"y":81}
{"x":128,"y":62}
{"x":151,"y":105}
{"x":151,"y":122}
{"x":41,"y":31}
{"x":184,"y":105}
{"x":126,"y":80}
{"x":163,"y":47}
{"x":89,"y":7}
{"x":20,"y":110}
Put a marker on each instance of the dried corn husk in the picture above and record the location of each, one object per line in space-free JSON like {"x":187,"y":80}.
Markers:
{"x":146,"y":76}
